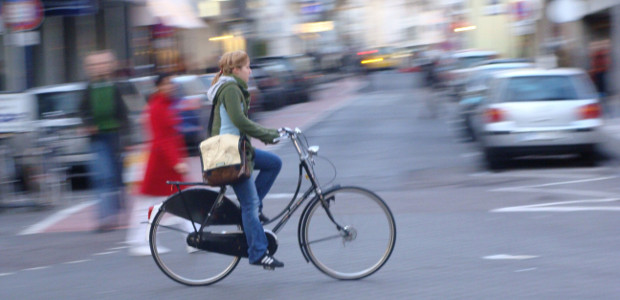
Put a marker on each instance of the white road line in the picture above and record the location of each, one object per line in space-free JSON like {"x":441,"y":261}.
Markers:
{"x":120,"y":248}
{"x":509,"y":257}
{"x":556,"y":183}
{"x":525,"y":270}
{"x":6,"y":274}
{"x":55,"y":218}
{"x":104,"y":253}
{"x":472,"y":154}
{"x":559,"y":191}
{"x":37,"y":268}
{"x":536,"y":174}
{"x":77,"y":261}
{"x":555,"y":206}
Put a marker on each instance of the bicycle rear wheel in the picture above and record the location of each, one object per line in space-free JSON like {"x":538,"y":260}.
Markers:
{"x":184,"y":264}
{"x":362,"y":246}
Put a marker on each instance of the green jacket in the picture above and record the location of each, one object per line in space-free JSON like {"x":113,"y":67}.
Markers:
{"x":231,"y":94}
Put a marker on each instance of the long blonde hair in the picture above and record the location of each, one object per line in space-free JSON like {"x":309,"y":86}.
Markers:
{"x":229,"y":61}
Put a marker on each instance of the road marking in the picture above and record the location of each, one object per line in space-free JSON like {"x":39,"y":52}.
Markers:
{"x":557,"y":183}
{"x":525,"y":270}
{"x":37,"y":268}
{"x":559,"y":191}
{"x":547,"y":206}
{"x":104,"y":253}
{"x":472,"y":154}
{"x":120,"y":248}
{"x":55,"y":218}
{"x":509,"y":257}
{"x":77,"y":261}
{"x":6,"y":274}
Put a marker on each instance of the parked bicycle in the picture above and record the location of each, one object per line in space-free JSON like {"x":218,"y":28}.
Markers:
{"x":348,"y":233}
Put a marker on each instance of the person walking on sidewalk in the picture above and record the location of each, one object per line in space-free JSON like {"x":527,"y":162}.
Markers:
{"x":104,"y":116}
{"x":231,"y":101}
{"x":165,"y":162}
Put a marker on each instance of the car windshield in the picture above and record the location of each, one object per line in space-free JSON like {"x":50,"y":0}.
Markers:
{"x":482,"y":77}
{"x":548,"y":88}
{"x":65,"y":103}
{"x":468,"y":61}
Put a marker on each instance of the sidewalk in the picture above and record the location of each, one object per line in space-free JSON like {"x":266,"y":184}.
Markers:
{"x":326,"y":99}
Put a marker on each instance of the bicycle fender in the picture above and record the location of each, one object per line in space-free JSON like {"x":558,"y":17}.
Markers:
{"x":195,"y":203}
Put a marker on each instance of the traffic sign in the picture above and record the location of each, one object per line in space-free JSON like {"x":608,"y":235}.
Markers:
{"x":22,"y":15}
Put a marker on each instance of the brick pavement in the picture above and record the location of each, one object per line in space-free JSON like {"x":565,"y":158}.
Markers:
{"x":326,"y":98}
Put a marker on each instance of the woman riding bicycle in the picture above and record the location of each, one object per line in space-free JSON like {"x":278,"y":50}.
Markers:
{"x":231,"y":101}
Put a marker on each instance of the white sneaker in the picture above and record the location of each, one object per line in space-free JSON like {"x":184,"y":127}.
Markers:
{"x":145,"y":250}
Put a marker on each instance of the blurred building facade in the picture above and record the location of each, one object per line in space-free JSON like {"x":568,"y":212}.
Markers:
{"x":189,"y":35}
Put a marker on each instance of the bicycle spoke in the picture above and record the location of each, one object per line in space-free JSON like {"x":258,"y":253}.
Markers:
{"x":325,"y":239}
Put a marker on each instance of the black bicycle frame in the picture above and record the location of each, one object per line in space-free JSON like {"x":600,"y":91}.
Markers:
{"x":290,"y":208}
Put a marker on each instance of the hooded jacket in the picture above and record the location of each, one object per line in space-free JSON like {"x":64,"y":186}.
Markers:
{"x":231,"y":103}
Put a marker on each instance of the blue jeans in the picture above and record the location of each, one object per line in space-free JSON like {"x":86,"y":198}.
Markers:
{"x":251,"y":194}
{"x":106,"y":170}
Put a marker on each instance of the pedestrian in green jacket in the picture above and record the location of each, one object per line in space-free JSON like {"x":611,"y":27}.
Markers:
{"x":105,"y":117}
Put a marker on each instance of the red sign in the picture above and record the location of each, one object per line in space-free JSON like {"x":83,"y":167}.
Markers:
{"x":23,"y":15}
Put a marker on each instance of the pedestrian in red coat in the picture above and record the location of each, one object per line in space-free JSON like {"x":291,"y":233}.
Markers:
{"x":167,"y":149}
{"x":166,"y":162}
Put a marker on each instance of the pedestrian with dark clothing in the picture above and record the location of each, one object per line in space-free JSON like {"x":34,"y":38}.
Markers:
{"x":166,"y":162}
{"x":599,"y":68}
{"x":104,"y":116}
{"x":231,"y":101}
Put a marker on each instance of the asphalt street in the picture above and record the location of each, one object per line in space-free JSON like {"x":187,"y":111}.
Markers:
{"x":541,"y":229}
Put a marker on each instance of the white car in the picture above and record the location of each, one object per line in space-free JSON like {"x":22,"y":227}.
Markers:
{"x":538,"y":112}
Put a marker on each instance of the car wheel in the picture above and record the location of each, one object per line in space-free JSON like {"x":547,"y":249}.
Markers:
{"x":590,"y":156}
{"x":493,"y":159}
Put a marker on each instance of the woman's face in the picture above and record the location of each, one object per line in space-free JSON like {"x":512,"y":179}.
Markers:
{"x":243,"y":72}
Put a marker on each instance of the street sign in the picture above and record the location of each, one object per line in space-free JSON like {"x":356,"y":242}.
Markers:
{"x":22,"y":15}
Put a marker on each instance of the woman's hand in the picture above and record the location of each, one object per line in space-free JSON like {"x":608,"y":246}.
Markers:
{"x":181,"y":168}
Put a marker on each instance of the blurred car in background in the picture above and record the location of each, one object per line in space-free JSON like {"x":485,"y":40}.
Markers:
{"x":538,"y":112}
{"x":57,"y":109}
{"x":454,"y":68}
{"x":269,"y":84}
{"x":475,"y":89}
{"x":381,"y":58}
{"x":194,"y":109}
{"x":292,"y":75}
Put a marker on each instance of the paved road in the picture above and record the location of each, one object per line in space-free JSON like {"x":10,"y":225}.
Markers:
{"x":543,"y":229}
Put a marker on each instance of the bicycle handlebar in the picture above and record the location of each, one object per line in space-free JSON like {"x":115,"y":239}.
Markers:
{"x":286,"y":132}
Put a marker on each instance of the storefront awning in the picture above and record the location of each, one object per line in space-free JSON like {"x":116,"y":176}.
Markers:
{"x":172,"y":13}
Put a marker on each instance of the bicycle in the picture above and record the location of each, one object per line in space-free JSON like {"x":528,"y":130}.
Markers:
{"x":348,"y":233}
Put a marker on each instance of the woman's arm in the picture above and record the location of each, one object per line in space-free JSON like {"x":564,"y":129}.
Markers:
{"x":233,"y":101}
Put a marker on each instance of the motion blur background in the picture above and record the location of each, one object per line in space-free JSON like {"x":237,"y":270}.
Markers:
{"x":44,"y":41}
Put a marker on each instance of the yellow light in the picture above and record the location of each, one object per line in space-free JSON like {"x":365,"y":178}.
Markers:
{"x":314,"y":27}
{"x":219,"y":38}
{"x":467,"y":28}
{"x":369,"y":61}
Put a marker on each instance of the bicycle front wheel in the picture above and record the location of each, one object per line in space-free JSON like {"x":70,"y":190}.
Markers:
{"x":182,"y":263}
{"x":364,"y":242}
